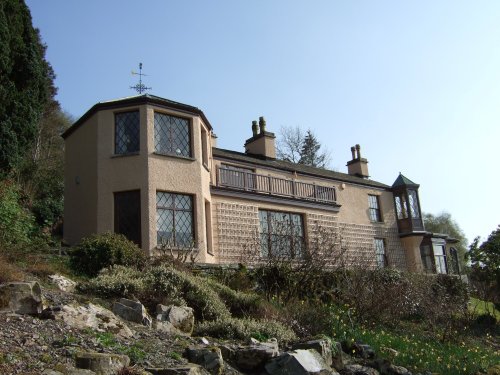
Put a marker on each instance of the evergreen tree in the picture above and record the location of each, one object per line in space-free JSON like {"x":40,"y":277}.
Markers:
{"x":26,"y":83}
{"x":310,"y":154}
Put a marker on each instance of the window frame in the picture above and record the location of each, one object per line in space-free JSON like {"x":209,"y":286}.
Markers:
{"x":116,"y":132}
{"x":174,"y":209}
{"x":189,"y":135}
{"x":267,"y":238}
{"x":374,"y":212}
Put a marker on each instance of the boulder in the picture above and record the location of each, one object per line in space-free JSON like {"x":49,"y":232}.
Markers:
{"x":21,"y":298}
{"x":358,"y":370}
{"x":63,"y":283}
{"x":322,"y":346}
{"x":92,"y":316}
{"x":254,"y":356}
{"x":209,"y":358}
{"x":338,"y":361}
{"x":299,"y":362}
{"x":385,"y":367}
{"x":101,"y":363}
{"x":69,"y":371}
{"x":133,"y":311}
{"x":359,"y":349}
{"x":181,"y":318}
{"x":189,"y":369}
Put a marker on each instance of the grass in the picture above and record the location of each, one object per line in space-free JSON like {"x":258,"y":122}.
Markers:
{"x":421,"y":352}
{"x":482,"y":307}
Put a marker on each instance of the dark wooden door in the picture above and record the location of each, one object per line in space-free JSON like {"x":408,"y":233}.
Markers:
{"x":128,"y":215}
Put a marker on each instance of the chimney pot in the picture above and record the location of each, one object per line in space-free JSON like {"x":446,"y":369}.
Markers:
{"x":358,"y":149}
{"x":262,"y":124}
{"x":255,"y":128}
{"x":353,"y":152}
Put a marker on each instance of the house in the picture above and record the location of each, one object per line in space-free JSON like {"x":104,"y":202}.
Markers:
{"x":149,"y":168}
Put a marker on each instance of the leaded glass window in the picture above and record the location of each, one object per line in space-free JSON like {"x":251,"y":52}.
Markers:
{"x":374,"y":208}
{"x":282,"y":234}
{"x":401,"y":208}
{"x":172,"y":135}
{"x":380,"y":252}
{"x":426,"y":256}
{"x":439,"y":258}
{"x":174,"y":222}
{"x":413,"y":203}
{"x":127,"y":132}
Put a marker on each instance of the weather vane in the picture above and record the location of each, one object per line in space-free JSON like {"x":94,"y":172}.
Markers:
{"x":140,"y":87}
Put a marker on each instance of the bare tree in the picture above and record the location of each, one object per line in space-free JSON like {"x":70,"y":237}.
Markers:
{"x":296,"y":146}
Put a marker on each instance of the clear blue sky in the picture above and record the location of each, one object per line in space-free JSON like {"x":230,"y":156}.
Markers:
{"x":416,"y":83}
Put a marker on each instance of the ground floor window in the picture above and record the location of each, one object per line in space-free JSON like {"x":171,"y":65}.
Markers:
{"x":281,"y":234}
{"x":433,"y":257}
{"x":439,"y":258}
{"x":380,"y":252}
{"x":174,"y":220}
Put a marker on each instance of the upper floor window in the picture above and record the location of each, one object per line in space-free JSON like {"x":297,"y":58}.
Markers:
{"x":174,"y":220}
{"x":172,"y":135}
{"x":281,"y":234}
{"x":127,"y":132}
{"x":374,"y":208}
{"x":380,"y":252}
{"x":413,"y":203}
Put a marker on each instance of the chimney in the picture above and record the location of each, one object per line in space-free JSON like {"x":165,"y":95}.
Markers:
{"x":358,"y":166}
{"x":262,"y":142}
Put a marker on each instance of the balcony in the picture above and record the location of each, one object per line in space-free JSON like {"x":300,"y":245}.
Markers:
{"x":274,"y":186}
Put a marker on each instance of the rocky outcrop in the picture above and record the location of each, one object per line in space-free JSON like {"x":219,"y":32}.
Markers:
{"x":323,"y":347}
{"x":251,"y":357}
{"x":189,"y":369}
{"x":299,"y":362}
{"x":181,"y":318}
{"x":101,"y":363}
{"x":132,"y":311}
{"x":92,"y":316}
{"x":210,"y":358}
{"x":63,"y":283}
{"x":21,"y":298}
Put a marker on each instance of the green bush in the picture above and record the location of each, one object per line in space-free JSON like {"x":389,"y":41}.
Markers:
{"x":116,"y":281}
{"x":103,"y":250}
{"x":17,"y":223}
{"x":244,"y":329}
{"x":240,"y":304}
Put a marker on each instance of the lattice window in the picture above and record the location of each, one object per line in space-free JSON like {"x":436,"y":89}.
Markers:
{"x":174,"y":223}
{"x":374,"y":208}
{"x":413,"y":203}
{"x":380,"y":252}
{"x":127,"y":132}
{"x":281,"y":234}
{"x":172,"y":135}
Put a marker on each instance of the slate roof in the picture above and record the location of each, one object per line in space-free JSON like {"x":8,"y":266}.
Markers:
{"x":293,"y":167}
{"x":137,"y":100}
{"x":403,"y":181}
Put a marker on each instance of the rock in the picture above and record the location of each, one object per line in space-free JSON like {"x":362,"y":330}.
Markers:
{"x":92,"y":316}
{"x":51,"y":372}
{"x":400,"y":370}
{"x":299,"y":362}
{"x":358,"y":370}
{"x":321,"y":346}
{"x":360,"y":350}
{"x":166,"y":327}
{"x":133,"y":311}
{"x":204,"y":341}
{"x":189,"y":369}
{"x":209,"y":358}
{"x":63,"y":283}
{"x":69,"y":371}
{"x":181,"y":318}
{"x":337,"y":356}
{"x":254,"y":356}
{"x":101,"y":363}
{"x":21,"y":298}
{"x":386,"y":368}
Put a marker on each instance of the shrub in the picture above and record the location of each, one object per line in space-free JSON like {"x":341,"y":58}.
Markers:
{"x":103,"y":250}
{"x":244,"y":329}
{"x":116,"y":281}
{"x":9,"y":272}
{"x":240,"y":304}
{"x":16,"y":222}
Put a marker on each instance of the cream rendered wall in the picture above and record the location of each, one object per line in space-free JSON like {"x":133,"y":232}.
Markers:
{"x":80,"y":182}
{"x":178,"y":175}
{"x":118,"y":173}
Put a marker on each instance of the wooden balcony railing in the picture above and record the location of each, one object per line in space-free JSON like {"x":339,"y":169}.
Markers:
{"x":258,"y":183}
